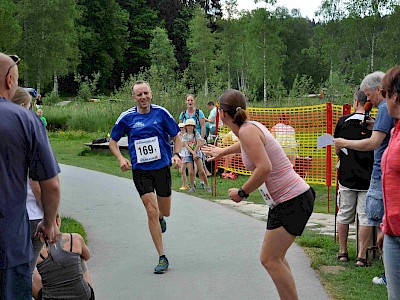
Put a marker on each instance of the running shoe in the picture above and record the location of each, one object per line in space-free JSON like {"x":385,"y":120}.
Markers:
{"x":380,"y":279}
{"x":162,"y":266}
{"x":192,"y":190}
{"x":209,"y":189}
{"x":202,"y":184}
{"x":163,"y":225}
{"x":183,"y":188}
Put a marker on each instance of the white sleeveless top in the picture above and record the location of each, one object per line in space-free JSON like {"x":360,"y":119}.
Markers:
{"x":283,"y":182}
{"x":33,"y":208}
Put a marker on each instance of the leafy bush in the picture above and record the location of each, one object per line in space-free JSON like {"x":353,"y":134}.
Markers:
{"x":87,"y":87}
{"x":52,"y":99}
{"x":301,"y":86}
{"x":338,"y":89}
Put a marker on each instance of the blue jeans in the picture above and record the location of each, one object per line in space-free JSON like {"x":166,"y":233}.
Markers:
{"x":391,"y":259}
{"x":374,"y":202}
{"x":209,"y":129}
{"x":16,"y":283}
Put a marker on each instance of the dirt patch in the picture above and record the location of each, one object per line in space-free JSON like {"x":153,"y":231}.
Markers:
{"x":332,"y":269}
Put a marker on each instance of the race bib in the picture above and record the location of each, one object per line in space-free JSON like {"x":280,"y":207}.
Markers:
{"x":267,"y":196}
{"x":147,"y":150}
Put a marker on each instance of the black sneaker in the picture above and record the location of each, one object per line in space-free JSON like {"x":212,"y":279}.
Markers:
{"x":162,"y":266}
{"x":163,"y":225}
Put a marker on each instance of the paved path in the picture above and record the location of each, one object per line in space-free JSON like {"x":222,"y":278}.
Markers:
{"x":213,"y":250}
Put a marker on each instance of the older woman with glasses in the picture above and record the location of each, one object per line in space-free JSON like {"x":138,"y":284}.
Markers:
{"x":389,"y":238}
{"x":290,"y":198}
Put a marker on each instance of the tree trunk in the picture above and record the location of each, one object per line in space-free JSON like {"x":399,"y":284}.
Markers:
{"x":55,"y":84}
{"x":206,"y":78}
{"x":265,"y":70}
{"x":372,"y":51}
{"x":229,"y":74}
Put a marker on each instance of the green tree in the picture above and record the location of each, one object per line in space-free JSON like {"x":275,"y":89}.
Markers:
{"x":162,"y":52}
{"x":266,"y":51}
{"x":142,"y":21}
{"x":201,"y":45}
{"x":296,"y":33}
{"x":105,"y":40}
{"x":359,"y":19}
{"x":228,"y":38}
{"x":389,"y":40}
{"x":49,"y":40}
{"x":9,"y":26}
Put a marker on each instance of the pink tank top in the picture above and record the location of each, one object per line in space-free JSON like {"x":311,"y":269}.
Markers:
{"x":283,"y":182}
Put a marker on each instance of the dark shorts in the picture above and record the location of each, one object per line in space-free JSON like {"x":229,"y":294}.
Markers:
{"x":293,"y":214}
{"x":16,"y":283}
{"x":158,"y":181}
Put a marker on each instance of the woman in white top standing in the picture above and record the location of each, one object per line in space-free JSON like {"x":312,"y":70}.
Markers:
{"x":33,"y":204}
{"x":290,"y":198}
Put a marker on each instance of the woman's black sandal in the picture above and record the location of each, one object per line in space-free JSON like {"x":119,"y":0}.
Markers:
{"x":364,"y":262}
{"x":343,"y":255}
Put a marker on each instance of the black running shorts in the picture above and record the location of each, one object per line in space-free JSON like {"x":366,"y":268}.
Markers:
{"x":293,"y":214}
{"x":158,"y":181}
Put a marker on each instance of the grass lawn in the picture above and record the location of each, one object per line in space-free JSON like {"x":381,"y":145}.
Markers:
{"x":73,"y":226}
{"x":342,"y":280}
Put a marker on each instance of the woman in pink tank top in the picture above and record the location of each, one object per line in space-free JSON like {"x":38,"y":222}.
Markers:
{"x":290,"y":198}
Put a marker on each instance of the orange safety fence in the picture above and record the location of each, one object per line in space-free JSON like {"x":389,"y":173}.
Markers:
{"x":315,"y":165}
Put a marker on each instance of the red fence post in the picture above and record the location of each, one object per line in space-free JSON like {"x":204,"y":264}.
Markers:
{"x":346,"y":110}
{"x":328,"y":156}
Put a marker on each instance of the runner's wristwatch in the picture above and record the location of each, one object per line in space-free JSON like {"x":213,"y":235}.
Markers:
{"x":242,"y":194}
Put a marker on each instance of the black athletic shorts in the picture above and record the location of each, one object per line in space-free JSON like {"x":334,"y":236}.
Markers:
{"x":154,"y":180}
{"x":293,"y":214}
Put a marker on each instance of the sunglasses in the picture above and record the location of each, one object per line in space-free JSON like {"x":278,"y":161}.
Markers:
{"x":16,"y":60}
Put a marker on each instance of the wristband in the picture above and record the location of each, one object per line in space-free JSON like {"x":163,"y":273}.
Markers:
{"x":242,"y":194}
{"x":176,"y":153}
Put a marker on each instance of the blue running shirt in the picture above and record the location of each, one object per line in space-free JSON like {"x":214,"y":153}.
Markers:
{"x":146,"y":133}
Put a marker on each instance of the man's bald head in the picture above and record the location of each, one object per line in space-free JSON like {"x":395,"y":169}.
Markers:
{"x":8,"y":76}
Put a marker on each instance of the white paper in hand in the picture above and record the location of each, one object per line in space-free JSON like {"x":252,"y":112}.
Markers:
{"x":324,"y":140}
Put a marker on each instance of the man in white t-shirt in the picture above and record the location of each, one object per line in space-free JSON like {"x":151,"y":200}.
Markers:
{"x":211,"y":120}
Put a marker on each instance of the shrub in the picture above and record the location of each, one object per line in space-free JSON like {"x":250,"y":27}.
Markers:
{"x":87,"y":87}
{"x":52,"y":99}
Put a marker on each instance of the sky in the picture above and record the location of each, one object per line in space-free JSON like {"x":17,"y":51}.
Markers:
{"x":307,"y":7}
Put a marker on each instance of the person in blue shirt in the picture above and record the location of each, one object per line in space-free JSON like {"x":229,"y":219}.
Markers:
{"x":211,"y":120}
{"x":149,"y":128}
{"x":378,"y":142}
{"x":194,"y":113}
{"x":25,"y":148}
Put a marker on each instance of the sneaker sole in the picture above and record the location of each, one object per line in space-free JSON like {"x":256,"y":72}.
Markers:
{"x":161,"y":272}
